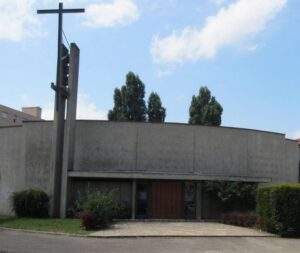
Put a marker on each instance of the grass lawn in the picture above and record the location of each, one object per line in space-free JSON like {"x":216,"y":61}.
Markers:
{"x":70,"y":226}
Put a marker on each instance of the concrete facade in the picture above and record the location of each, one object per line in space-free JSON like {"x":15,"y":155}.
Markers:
{"x":12,"y":174}
{"x":174,"y":151}
{"x":24,"y":160}
{"x":33,"y":111}
{"x":122,"y":151}
{"x":12,"y":117}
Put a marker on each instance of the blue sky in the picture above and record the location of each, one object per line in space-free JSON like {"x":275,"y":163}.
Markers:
{"x":246,"y":52}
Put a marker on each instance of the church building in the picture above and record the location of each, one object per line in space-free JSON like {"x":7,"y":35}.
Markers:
{"x":157,"y":170}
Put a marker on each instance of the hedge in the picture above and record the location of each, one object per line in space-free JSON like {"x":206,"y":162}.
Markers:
{"x":31,"y":203}
{"x":278,"y":207}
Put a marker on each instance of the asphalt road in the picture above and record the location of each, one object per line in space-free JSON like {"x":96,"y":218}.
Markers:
{"x":12,"y":242}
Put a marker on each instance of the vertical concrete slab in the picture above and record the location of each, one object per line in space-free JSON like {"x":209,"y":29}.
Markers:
{"x":290,"y":174}
{"x":199,"y":201}
{"x":58,"y":137}
{"x":70,"y":126}
{"x":165,"y":148}
{"x":266,"y":154}
{"x":37,"y":149}
{"x":12,"y":176}
{"x":133,"y":200}
{"x":220,"y":151}
{"x":105,"y":146}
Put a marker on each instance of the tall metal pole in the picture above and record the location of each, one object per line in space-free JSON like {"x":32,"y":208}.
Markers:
{"x":59,"y":48}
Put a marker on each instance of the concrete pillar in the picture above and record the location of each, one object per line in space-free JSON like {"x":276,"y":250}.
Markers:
{"x":58,"y":141}
{"x":133,"y":200}
{"x":70,"y":126}
{"x":199,"y":201}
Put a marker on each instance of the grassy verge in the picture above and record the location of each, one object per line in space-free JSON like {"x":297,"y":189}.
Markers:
{"x":69,"y":226}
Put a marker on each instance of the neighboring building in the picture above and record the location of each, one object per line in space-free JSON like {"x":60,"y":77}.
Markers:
{"x":156,"y":169}
{"x":9,"y":116}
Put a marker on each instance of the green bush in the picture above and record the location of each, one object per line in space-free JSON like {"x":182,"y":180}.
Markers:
{"x":102,"y":207}
{"x":32,"y":203}
{"x":247,"y":219}
{"x":279,"y":209}
{"x":123,"y":211}
{"x":234,"y":196}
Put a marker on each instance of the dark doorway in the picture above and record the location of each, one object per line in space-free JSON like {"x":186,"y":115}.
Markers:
{"x":167,"y":200}
{"x":142,"y":195}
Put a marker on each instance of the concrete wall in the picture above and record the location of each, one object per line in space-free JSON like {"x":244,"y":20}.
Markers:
{"x":24,"y":160}
{"x":37,"y":163}
{"x":105,"y":146}
{"x":291,"y":162}
{"x":145,"y":149}
{"x":12,"y":117}
{"x":11,"y":166}
{"x":142,"y":150}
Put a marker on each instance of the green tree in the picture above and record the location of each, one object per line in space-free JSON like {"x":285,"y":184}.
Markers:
{"x":135,"y":94}
{"x":118,"y":113}
{"x":205,"y":110}
{"x":156,"y":112}
{"x":129,"y":103}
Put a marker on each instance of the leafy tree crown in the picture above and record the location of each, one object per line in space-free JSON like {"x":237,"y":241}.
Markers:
{"x":156,"y":112}
{"x":205,"y":109}
{"x":129,"y":103}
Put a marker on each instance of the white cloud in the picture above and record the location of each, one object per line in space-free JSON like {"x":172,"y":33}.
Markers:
{"x":294,"y":135}
{"x":232,"y":24}
{"x":86,"y":109}
{"x":118,"y":12}
{"x":17,"y":20}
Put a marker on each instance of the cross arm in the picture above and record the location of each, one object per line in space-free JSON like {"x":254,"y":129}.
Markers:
{"x":73,"y":10}
{"x":53,"y":11}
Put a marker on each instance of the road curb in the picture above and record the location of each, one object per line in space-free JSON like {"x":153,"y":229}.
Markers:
{"x":181,"y":236}
{"x":136,"y":236}
{"x":42,"y":232}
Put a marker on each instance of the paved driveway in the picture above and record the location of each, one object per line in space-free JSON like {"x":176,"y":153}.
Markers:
{"x":182,"y":229}
{"x":15,"y":242}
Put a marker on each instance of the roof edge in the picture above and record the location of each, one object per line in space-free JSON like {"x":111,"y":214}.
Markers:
{"x":165,"y":123}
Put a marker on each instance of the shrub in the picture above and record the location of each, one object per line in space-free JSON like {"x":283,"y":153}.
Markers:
{"x":248,"y":219}
{"x":32,"y":203}
{"x":88,"y":220}
{"x":263,"y":209}
{"x":239,"y":196}
{"x":103,"y":208}
{"x":279,"y":209}
{"x":123,"y":211}
{"x":76,"y":209}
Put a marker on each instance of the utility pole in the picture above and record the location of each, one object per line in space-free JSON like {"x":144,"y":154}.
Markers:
{"x":61,"y":94}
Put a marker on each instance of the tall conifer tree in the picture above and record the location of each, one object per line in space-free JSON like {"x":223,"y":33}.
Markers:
{"x":129,"y":103}
{"x":205,"y":109}
{"x":156,"y":112}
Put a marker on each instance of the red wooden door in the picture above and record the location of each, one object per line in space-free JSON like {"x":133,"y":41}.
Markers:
{"x":167,"y":202}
